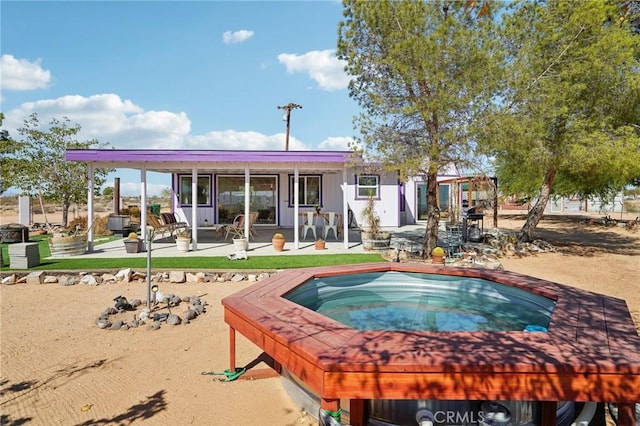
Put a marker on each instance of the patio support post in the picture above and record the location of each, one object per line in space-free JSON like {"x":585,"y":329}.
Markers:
{"x":345,"y":209}
{"x":143,"y":201}
{"x":90,"y":207}
{"x":296,"y":208}
{"x":194,"y":207}
{"x":247,"y":201}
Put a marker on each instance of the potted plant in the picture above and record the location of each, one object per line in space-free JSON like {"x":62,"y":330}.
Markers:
{"x":437,"y":255}
{"x":278,"y":241}
{"x":183,"y":239}
{"x":133,"y":244}
{"x":373,"y":237}
{"x":318,"y":208}
{"x":320,"y":244}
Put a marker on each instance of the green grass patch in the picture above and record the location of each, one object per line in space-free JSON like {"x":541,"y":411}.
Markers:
{"x":210,"y":262}
{"x":195,"y":262}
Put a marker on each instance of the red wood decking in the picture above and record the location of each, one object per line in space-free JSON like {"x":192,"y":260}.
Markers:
{"x":591,"y":351}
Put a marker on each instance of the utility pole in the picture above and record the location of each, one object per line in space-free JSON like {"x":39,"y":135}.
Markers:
{"x":287,"y":118}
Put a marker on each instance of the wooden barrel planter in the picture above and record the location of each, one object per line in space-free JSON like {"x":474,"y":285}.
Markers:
{"x":72,"y":245}
{"x":379,"y":241}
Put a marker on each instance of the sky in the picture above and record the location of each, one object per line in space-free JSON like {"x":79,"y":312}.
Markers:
{"x":178,"y":74}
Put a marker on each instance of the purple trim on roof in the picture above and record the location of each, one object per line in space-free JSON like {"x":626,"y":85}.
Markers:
{"x":202,"y":156}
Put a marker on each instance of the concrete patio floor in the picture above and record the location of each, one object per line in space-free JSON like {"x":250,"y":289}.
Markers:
{"x":407,"y":237}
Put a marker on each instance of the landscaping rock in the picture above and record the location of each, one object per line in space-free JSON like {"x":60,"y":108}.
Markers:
{"x":177,"y":277}
{"x":173,"y":319}
{"x":89,"y":279}
{"x":124,"y":275}
{"x":237,"y":278}
{"x":138,"y":276}
{"x":9,"y":279}
{"x":117,"y":325}
{"x":190,"y":314}
{"x":36,"y":277}
{"x":108,"y":278}
{"x":110,"y":311}
{"x":103,"y":323}
{"x":67,"y":280}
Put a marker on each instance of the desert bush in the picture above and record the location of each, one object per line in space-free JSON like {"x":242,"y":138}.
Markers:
{"x":135,"y":211}
{"x":632,"y":206}
{"x":100,"y":225}
{"x":80,"y":221}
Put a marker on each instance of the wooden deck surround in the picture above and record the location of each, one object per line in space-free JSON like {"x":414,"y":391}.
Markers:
{"x":591,"y":351}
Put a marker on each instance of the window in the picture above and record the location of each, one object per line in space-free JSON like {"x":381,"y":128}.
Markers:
{"x":204,"y":190}
{"x":263,"y":197}
{"x":308,"y":192}
{"x":367,"y":186}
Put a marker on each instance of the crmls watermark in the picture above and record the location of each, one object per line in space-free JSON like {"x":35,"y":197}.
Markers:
{"x":451,"y":417}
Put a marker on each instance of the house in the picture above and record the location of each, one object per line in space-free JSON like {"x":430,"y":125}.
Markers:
{"x":216,"y":185}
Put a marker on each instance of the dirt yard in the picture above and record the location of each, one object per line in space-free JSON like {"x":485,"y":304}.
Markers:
{"x":58,"y":368}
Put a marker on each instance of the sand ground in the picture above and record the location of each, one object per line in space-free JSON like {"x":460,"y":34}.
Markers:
{"x":58,"y":368}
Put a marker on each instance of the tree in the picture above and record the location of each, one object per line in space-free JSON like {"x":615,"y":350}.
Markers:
{"x":43,"y":170}
{"x":424,"y":71}
{"x":567,"y":120}
{"x":108,"y":192}
{"x":7,"y":147}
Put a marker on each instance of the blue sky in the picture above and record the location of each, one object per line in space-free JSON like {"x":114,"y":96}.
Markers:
{"x":178,"y":74}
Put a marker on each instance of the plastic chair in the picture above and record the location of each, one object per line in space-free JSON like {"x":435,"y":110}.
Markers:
{"x":331,"y":224}
{"x":309,"y":223}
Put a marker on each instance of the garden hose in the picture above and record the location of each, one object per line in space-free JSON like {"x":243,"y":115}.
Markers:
{"x":229,"y":375}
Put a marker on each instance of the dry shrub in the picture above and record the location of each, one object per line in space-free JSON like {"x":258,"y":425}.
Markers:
{"x":100,"y":225}
{"x":135,"y":211}
{"x":80,"y":222}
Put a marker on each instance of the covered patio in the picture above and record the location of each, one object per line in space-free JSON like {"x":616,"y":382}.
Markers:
{"x":407,"y":238}
{"x":301,"y":181}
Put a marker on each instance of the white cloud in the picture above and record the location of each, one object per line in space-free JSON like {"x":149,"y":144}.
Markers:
{"x":321,"y":66}
{"x":233,"y":37}
{"x":108,"y":118}
{"x":20,"y":74}
{"x":335,"y":144}
{"x":249,"y":140}
{"x":125,"y":125}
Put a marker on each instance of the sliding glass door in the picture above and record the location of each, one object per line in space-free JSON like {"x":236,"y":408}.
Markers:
{"x":263,"y":198}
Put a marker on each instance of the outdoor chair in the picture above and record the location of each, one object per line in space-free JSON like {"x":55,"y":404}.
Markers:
{"x":309,"y":223}
{"x":253,"y":217}
{"x":236,"y":229}
{"x":332,"y":222}
{"x":156,"y":227}
{"x":172,"y":224}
